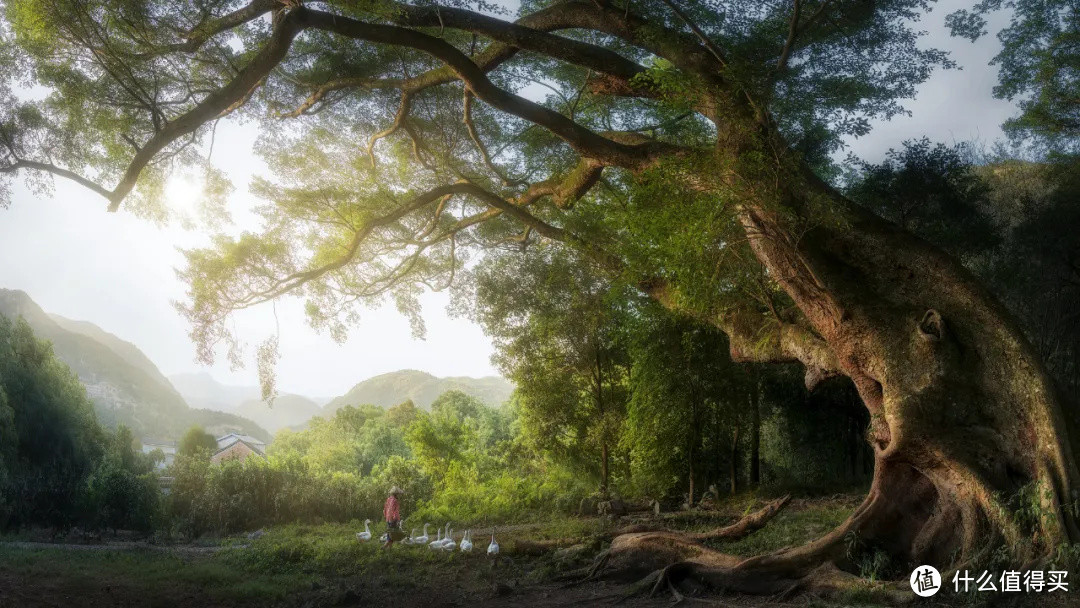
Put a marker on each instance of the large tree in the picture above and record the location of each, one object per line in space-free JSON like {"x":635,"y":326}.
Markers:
{"x":678,"y":148}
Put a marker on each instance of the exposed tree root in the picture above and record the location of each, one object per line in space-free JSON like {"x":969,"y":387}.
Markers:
{"x":748,"y":524}
{"x":599,"y":563}
{"x":824,"y":580}
{"x":910,"y":516}
{"x":667,"y":558}
{"x":744,"y":527}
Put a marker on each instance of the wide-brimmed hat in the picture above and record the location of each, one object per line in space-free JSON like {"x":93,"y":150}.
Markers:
{"x":396,"y":490}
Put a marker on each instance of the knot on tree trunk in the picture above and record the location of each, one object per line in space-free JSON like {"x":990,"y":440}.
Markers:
{"x":932,"y":326}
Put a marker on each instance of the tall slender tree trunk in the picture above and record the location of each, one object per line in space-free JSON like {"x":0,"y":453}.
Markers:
{"x":605,"y":470}
{"x":690,"y":474}
{"x":734,"y":469}
{"x":755,"y":428}
{"x":601,"y":408}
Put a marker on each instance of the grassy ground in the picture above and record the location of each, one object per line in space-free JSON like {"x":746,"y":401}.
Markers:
{"x":296,"y":565}
{"x":308,"y":566}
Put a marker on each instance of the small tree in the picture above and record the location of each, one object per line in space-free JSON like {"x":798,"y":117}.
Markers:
{"x":196,"y":442}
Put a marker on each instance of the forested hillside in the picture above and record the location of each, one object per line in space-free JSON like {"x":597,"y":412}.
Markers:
{"x":288,"y":410}
{"x":294,"y":411}
{"x":421,"y":388}
{"x":123,"y":384}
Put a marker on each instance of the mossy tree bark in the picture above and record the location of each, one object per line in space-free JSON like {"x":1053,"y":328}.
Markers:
{"x":970,"y":446}
{"x":966,"y":430}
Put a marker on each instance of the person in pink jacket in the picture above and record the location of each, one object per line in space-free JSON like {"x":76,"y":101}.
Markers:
{"x":392,"y":515}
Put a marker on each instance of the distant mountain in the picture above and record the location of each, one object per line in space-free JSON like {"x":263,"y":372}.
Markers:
{"x":127,"y":351}
{"x":289,"y":410}
{"x":387,"y":390}
{"x":125,"y":386}
{"x":200,"y":389}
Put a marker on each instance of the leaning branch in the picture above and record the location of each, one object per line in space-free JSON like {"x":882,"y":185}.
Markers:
{"x":528,"y":35}
{"x":475,"y":137}
{"x":497,"y":205}
{"x":399,"y":120}
{"x":57,"y":171}
{"x":796,"y":29}
{"x":705,"y":40}
{"x":204,"y":31}
{"x":214,"y":105}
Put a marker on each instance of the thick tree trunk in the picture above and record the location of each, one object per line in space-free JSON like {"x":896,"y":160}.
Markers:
{"x":967,"y":436}
{"x":964,"y":423}
{"x":970,"y":447}
{"x":965,"y":427}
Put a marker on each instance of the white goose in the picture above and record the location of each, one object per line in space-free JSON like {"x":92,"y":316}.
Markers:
{"x":422,"y":540}
{"x":445,"y":536}
{"x":411,"y":539}
{"x":366,"y":534}
{"x":435,"y":544}
{"x":493,"y":548}
{"x":449,"y":544}
{"x":466,"y":542}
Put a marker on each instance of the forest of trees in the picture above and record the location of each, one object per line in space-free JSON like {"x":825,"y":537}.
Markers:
{"x":616,"y":397}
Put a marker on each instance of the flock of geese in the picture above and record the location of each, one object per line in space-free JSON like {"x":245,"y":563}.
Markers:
{"x":441,"y":542}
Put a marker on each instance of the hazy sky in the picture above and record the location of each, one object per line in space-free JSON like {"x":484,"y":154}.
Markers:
{"x":114,"y":270}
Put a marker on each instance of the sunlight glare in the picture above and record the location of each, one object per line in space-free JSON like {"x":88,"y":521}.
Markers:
{"x":183,"y":192}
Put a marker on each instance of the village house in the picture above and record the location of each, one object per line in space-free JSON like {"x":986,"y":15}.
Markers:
{"x":237,"y":446}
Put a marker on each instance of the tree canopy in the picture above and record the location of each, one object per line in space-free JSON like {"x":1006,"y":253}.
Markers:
{"x":1039,"y":65}
{"x":575,"y":123}
{"x":196,"y":441}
